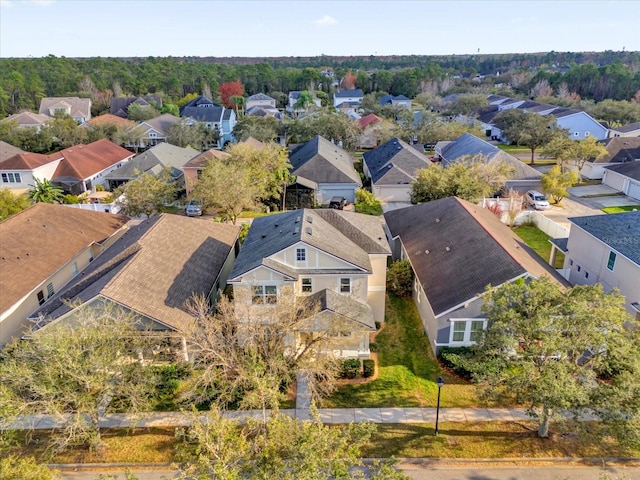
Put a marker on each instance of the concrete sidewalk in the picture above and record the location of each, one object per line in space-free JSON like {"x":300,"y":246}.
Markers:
{"x":329,"y":416}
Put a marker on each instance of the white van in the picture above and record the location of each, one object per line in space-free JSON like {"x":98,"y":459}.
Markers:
{"x":537,"y":200}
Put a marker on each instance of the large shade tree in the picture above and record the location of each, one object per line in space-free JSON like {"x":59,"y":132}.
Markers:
{"x":561,"y":351}
{"x":529,"y":129}
{"x":73,"y":369}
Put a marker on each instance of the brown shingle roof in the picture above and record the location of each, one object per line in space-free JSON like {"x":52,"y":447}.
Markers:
{"x":28,"y":118}
{"x":154,"y":268}
{"x":7,"y":150}
{"x":201,"y":160}
{"x":108,"y":118}
{"x":28,"y":161}
{"x":41,"y":239}
{"x":83,"y":161}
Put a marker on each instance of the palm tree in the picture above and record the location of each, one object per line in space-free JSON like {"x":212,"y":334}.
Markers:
{"x":45,"y":192}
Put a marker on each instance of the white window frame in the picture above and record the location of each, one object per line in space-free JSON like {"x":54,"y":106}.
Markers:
{"x":74,"y":269}
{"x":466,"y":333}
{"x":260,"y":296}
{"x":609,"y":260}
{"x":50,"y":290}
{"x":340,"y":285}
{"x":310,"y":285}
{"x":11,"y":177}
{"x":301,"y":255}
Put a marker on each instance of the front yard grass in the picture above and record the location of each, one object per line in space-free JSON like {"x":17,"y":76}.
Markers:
{"x":407,"y":369}
{"x":375,"y":209}
{"x":539,"y":242}
{"x":621,"y":209}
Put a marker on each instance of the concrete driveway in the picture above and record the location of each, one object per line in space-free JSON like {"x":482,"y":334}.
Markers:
{"x":601,"y":196}
{"x":569,"y":208}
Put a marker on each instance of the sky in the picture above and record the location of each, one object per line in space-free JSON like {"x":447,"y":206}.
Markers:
{"x":232,"y":28}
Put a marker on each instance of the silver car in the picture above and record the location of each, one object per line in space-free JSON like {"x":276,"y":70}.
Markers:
{"x":194,"y":208}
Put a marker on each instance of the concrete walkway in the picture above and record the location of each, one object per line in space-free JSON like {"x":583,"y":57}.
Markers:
{"x":329,"y":416}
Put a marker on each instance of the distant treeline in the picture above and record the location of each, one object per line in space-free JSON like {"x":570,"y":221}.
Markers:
{"x":592,"y":75}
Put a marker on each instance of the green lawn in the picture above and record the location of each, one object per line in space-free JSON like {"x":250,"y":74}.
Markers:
{"x":514,"y":148}
{"x":375,"y":209}
{"x":626,"y":208}
{"x":539,"y":242}
{"x":407,"y":369}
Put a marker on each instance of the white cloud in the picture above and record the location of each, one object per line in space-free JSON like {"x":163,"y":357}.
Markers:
{"x":326,"y":21}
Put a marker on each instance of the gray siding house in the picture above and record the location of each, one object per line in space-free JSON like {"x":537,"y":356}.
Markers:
{"x":456,"y":249}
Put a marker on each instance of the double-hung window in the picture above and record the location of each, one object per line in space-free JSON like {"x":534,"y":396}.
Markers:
{"x":307,"y":286}
{"x":301,"y":255}
{"x":265,"y":294}
{"x":345,"y":285}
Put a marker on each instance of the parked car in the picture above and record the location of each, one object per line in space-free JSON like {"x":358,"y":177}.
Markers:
{"x":338,"y":203}
{"x":537,"y":200}
{"x":194,"y":208}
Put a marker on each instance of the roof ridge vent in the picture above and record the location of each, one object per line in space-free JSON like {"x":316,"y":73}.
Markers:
{"x":296,"y":231}
{"x":308,"y":231}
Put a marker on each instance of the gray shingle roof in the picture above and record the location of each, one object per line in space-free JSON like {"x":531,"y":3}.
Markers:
{"x":395,"y":162}
{"x":153,"y":269}
{"x":620,"y":231}
{"x":163,"y":155}
{"x":468,"y":145}
{"x":628,"y":169}
{"x":620,"y":150}
{"x":345,"y":235}
{"x":321,"y":161}
{"x":204,"y":114}
{"x":345,"y":306}
{"x":630,"y":127}
{"x":457,"y":249}
{"x":260,"y":96}
{"x":356,"y":92}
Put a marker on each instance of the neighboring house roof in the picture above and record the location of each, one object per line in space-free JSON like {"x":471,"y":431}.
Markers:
{"x":161,"y":123}
{"x":321,"y":161}
{"x":456,"y":249}
{"x":619,"y":231}
{"x":629,"y":169}
{"x":84,"y":161}
{"x":346,"y":235}
{"x":389,"y":99}
{"x":263,"y":111}
{"x":468,"y":145}
{"x":260,"y":97}
{"x":252,"y":142}
{"x":394,"y":162}
{"x":487,"y":114}
{"x":160,"y":156}
{"x":200,"y":101}
{"x":41,"y":239}
{"x":367,"y":120}
{"x":120,"y":105}
{"x":28,"y":119}
{"x":153,"y":269}
{"x":496,"y":98}
{"x":200,"y":161}
{"x":356,"y":92}
{"x":27,"y":161}
{"x":205,"y":114}
{"x":109,"y":119}
{"x":620,"y":150}
{"x":79,"y":107}
{"x":7,"y":150}
{"x":628,"y":128}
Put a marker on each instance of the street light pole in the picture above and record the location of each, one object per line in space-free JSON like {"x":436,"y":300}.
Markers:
{"x":440,"y":381}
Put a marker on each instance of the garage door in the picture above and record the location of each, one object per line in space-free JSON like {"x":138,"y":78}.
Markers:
{"x":634,"y":189}
{"x":393,"y":194}
{"x":327,"y":192}
{"x":615,"y":180}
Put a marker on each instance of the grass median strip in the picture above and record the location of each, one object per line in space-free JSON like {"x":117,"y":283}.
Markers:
{"x":455,"y":440}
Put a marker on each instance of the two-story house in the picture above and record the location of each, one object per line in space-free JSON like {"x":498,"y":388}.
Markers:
{"x":336,"y":258}
{"x":213,"y":116}
{"x":42,"y":249}
{"x":77,"y":108}
{"x":605,"y":249}
{"x":19,"y":172}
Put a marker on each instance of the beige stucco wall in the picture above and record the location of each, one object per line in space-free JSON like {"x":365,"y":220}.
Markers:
{"x":592,"y":256}
{"x":13,"y":322}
